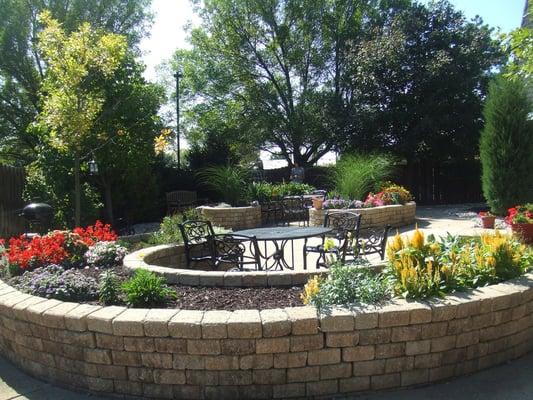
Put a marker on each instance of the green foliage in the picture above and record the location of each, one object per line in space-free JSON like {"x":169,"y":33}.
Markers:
{"x":169,"y":231}
{"x":420,"y":269}
{"x":265,"y":191}
{"x":506,"y":146}
{"x":349,"y":284}
{"x":518,"y":44}
{"x":145,"y":289}
{"x":357,"y":174}
{"x":109,"y":288}
{"x":227,"y":182}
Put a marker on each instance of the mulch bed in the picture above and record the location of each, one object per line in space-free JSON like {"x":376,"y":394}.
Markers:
{"x":215,"y":298}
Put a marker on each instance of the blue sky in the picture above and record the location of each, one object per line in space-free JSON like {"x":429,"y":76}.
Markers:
{"x":168,"y":32}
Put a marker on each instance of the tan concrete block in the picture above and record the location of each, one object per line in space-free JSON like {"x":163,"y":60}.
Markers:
{"x":443,"y":343}
{"x":406,"y":333}
{"x":393,"y":315}
{"x":341,"y":370}
{"x":456,"y":326}
{"x":220,"y":363}
{"x":290,"y":360}
{"x":169,"y":377}
{"x":214,"y":324}
{"x":441,"y":373}
{"x":112,"y":372}
{"x":358,"y":353}
{"x":420,"y":313}
{"x":156,"y":322}
{"x":102,"y":319}
{"x":417,"y":347}
{"x":289,"y":390}
{"x":170,"y":345}
{"x":76,"y":319}
{"x":324,"y":357}
{"x":443,"y":310}
{"x":356,"y":384}
{"x":375,"y":336}
{"x":307,"y":342}
{"x":274,"y":345}
{"x":33,"y":312}
{"x":305,"y":374}
{"x":18,"y":311}
{"x":104,"y":341}
{"x":366,"y":320}
{"x":140,"y":344}
{"x":390,"y":350}
{"x":244,"y":324}
{"x":203,"y":346}
{"x":337,"y":319}
{"x":130,"y":322}
{"x":126,"y":358}
{"x":275,"y":323}
{"x":304,"y":320}
{"x":235,"y":378}
{"x":55,"y":317}
{"x":140,"y":374}
{"x":257,"y":361}
{"x":158,"y":391}
{"x":415,"y":377}
{"x":342,"y":339}
{"x":269,"y":376}
{"x":399,"y":364}
{"x":387,"y":381}
{"x":322,"y":388}
{"x":434,"y":330}
{"x":237,"y":346}
{"x":128,"y":388}
{"x":184,"y":361}
{"x":97,"y":356}
{"x":186,"y":324}
{"x":156,"y":360}
{"x":467,"y":339}
{"x":203,"y":378}
{"x":431,"y":360}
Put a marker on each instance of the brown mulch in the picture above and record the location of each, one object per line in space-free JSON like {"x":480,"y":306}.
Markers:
{"x":213,"y":298}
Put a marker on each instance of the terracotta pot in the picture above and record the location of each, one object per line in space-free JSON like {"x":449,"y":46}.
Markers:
{"x":525,"y":231}
{"x":317,"y":202}
{"x":488,"y":221}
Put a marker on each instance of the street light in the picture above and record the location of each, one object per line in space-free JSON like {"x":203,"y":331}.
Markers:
{"x":178,"y":75}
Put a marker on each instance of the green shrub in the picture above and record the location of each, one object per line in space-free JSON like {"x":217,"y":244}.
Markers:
{"x":506,"y":146}
{"x":145,"y":289}
{"x":227,"y":182}
{"x":358,"y":174}
{"x":109,"y":288}
{"x":346,"y":284}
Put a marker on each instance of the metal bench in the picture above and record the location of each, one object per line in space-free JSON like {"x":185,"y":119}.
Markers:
{"x":180,"y":200}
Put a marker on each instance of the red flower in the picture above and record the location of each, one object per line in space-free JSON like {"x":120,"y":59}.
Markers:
{"x":96,"y":233}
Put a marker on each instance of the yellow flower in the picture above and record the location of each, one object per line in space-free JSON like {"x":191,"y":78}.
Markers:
{"x":329,"y":244}
{"x":417,"y":241}
{"x":311,"y":289}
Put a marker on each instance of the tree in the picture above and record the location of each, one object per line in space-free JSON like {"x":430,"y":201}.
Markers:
{"x":506,"y":148}
{"x":518,"y":44}
{"x":417,"y":85}
{"x":70,"y":102}
{"x":22,"y":67}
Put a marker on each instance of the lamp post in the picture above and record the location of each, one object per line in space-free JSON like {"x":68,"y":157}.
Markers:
{"x":178,"y":75}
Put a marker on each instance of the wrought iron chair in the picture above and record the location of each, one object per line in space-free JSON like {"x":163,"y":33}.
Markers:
{"x":203,"y":245}
{"x":345,"y":225}
{"x":293,"y":209}
{"x":232,"y":249}
{"x":372,"y":241}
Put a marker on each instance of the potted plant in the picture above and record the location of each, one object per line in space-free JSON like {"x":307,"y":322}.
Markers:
{"x":520,"y":218}
{"x":487,"y":219}
{"x":318,"y":202}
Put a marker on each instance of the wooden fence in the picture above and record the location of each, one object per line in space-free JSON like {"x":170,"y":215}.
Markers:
{"x":429,"y":181}
{"x":11,"y":187}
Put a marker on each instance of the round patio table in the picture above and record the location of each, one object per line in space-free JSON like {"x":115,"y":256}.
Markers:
{"x":280,"y":236}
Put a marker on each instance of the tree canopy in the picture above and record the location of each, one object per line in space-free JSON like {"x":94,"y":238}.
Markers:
{"x":300,"y":78}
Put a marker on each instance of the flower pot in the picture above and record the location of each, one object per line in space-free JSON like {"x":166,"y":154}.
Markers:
{"x":317,"y":202}
{"x":488,"y":221}
{"x":525,"y":231}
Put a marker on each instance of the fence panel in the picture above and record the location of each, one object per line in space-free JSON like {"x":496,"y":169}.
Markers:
{"x":12,"y":181}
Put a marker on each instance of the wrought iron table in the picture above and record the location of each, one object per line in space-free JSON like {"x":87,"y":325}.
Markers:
{"x":280,"y":236}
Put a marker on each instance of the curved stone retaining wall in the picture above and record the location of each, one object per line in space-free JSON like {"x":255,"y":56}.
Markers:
{"x":169,"y":261}
{"x":233,"y":217}
{"x":281,"y":353}
{"x":394,"y":215}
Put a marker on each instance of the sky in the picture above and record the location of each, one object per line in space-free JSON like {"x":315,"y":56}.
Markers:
{"x":171,"y":16}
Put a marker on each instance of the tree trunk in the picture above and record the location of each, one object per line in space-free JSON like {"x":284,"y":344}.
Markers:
{"x":108,"y":202}
{"x":77,"y":190}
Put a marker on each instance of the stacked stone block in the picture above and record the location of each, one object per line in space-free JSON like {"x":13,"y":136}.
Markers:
{"x":394,"y":215}
{"x":233,"y":217}
{"x":280,"y":353}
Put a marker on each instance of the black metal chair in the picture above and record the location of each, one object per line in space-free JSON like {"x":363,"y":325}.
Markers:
{"x":293,"y":209}
{"x":345,"y":225}
{"x":232,"y":249}
{"x":271,"y":212}
{"x":203,"y":245}
{"x":372,"y":241}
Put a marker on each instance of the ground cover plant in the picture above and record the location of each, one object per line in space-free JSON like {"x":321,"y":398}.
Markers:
{"x":420,"y":268}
